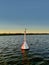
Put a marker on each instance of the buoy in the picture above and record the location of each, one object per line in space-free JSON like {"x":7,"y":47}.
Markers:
{"x":24,"y":44}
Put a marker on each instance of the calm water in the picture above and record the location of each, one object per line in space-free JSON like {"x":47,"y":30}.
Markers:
{"x":11,"y":53}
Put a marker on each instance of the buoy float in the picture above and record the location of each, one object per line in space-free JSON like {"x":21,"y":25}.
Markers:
{"x":24,"y":44}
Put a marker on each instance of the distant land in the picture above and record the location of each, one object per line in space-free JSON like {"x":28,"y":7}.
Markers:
{"x":7,"y":34}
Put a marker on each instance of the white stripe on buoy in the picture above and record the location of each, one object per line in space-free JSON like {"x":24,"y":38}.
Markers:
{"x":25,"y":45}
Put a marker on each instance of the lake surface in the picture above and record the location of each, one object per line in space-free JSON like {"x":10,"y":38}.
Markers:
{"x":11,"y":53}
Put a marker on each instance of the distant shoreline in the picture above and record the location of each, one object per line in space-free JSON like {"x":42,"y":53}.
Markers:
{"x":7,"y":34}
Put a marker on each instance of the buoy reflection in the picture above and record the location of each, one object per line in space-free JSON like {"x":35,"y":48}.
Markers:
{"x":25,"y":60}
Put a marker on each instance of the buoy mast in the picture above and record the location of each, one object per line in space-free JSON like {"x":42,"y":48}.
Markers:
{"x":25,"y":35}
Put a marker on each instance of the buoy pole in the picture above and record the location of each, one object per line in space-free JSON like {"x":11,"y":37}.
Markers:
{"x":25,"y":35}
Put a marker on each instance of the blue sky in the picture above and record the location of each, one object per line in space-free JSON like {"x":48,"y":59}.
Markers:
{"x":15,"y":15}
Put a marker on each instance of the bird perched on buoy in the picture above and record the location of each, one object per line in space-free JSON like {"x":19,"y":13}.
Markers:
{"x":24,"y":45}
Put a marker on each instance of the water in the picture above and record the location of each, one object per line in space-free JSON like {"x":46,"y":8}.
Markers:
{"x":11,"y":53}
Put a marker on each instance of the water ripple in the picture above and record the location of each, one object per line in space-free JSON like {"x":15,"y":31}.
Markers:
{"x":11,"y":54}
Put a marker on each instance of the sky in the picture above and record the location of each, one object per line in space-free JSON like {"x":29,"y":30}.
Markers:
{"x":16,"y":15}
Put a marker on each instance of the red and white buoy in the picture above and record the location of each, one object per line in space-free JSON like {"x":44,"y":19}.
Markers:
{"x":25,"y":45}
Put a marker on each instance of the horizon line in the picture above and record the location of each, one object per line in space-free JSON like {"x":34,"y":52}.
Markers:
{"x":23,"y":33}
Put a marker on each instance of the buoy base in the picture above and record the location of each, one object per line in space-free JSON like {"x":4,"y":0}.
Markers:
{"x":24,"y":46}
